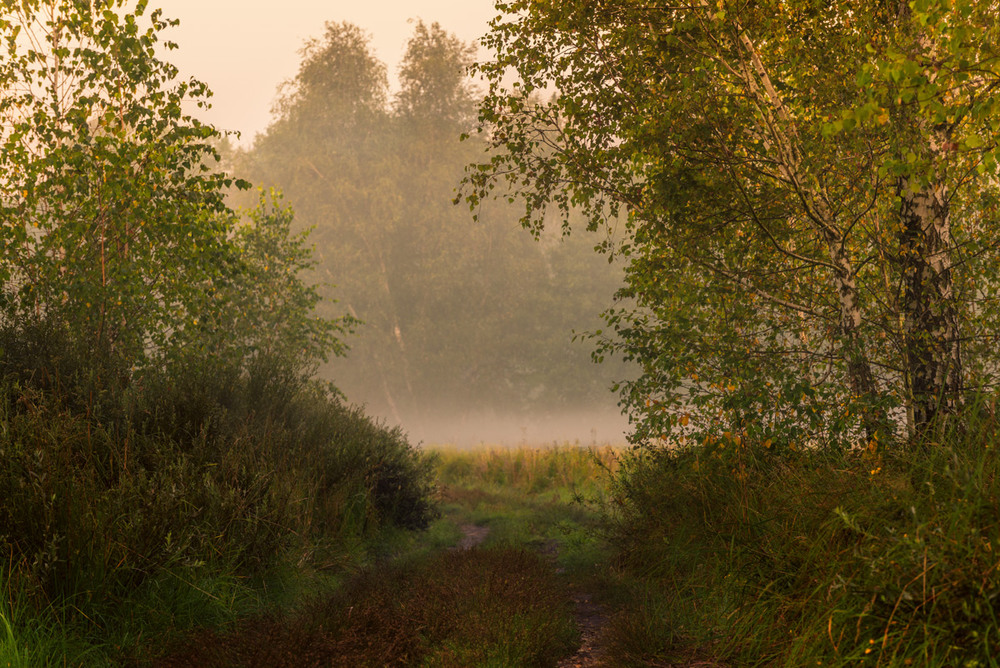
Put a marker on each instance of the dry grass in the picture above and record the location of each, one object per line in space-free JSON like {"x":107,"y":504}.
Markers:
{"x":463,"y":608}
{"x":526,"y":469}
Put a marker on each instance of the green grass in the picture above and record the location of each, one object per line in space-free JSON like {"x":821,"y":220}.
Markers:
{"x":535,"y":497}
{"x":501,"y":604}
{"x":715,"y":556}
{"x":881,"y":558}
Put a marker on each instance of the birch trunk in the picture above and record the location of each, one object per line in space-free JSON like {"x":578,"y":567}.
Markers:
{"x":778,"y":132}
{"x":930,"y":317}
{"x":931,"y":340}
{"x":859,"y":371}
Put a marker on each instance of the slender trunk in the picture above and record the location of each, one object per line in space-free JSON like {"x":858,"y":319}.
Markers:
{"x":931,"y":324}
{"x":860,"y":378}
{"x":779,"y":133}
{"x":859,"y":371}
{"x":390,"y":401}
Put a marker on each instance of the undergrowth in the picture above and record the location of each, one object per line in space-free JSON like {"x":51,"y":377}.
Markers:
{"x":497,"y":607}
{"x":734,"y":555}
{"x":135,"y":507}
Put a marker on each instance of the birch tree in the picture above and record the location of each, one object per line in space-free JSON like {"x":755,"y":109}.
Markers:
{"x":788,"y":172}
{"x":113,"y":220}
{"x":109,"y":211}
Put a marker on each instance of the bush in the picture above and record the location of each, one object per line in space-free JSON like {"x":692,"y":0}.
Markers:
{"x":107,"y":480}
{"x":817,"y":557}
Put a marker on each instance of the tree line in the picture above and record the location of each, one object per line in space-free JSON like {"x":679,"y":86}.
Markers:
{"x":458,"y":317}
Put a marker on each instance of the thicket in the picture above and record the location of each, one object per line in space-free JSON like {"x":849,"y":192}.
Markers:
{"x":744,"y":555}
{"x":105,"y":486}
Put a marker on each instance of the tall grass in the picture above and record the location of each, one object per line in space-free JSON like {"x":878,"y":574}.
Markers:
{"x":528,"y":470}
{"x":741,"y":556}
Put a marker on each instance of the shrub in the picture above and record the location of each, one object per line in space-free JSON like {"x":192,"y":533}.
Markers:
{"x":106,"y":483}
{"x":818,"y":557}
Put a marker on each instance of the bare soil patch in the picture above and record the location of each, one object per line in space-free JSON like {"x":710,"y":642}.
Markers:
{"x":590,"y":619}
{"x":472,"y":536}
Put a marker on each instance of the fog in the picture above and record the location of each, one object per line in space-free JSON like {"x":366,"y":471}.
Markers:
{"x":585,"y":428}
{"x":245,"y":49}
{"x":465,"y":328}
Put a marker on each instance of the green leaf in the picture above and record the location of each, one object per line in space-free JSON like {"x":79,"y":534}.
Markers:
{"x":973,"y":141}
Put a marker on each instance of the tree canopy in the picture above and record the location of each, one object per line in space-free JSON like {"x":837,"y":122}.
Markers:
{"x":811,"y":195}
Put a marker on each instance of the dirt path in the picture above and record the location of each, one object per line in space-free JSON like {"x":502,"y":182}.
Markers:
{"x":590,"y":618}
{"x":472,"y":535}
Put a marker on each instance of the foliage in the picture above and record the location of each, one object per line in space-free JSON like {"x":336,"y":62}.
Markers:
{"x":103,"y":490}
{"x":807,"y":226}
{"x":457,"y":316}
{"x":812,"y":558}
{"x":111,"y":215}
{"x":259,"y":309}
{"x":493,"y":604}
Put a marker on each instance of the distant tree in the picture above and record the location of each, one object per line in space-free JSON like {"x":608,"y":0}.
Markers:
{"x":434,"y":84}
{"x":457,"y":316}
{"x":789,"y":172}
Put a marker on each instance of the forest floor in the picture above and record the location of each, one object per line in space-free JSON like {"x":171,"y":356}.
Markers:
{"x":512,"y":574}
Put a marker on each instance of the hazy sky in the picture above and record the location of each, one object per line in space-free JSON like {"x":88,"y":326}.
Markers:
{"x":243,"y":49}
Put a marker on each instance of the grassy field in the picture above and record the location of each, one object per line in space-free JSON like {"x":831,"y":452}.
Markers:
{"x":527,"y":496}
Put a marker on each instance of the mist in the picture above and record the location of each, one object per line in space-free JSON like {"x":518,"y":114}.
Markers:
{"x":583,"y":428}
{"x":466,"y":328}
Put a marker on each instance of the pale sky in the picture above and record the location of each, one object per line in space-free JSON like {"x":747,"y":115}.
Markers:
{"x":243,"y":49}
